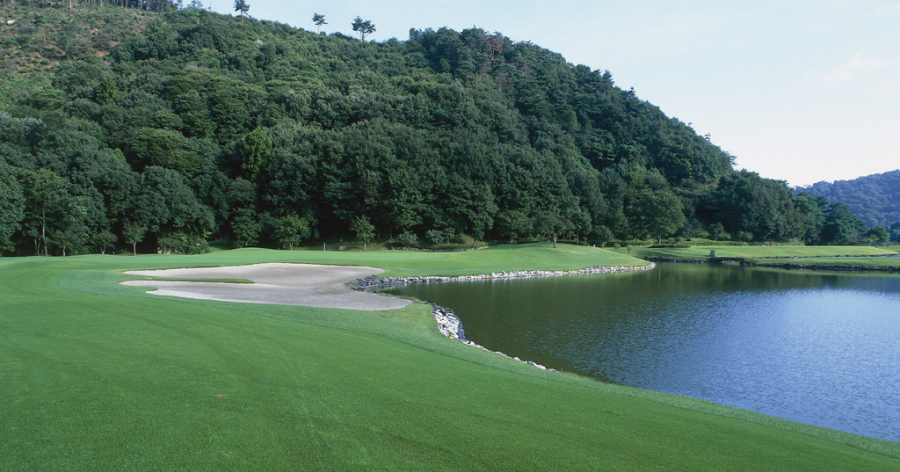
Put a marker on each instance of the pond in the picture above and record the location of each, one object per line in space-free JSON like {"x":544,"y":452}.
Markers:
{"x":814,"y":347}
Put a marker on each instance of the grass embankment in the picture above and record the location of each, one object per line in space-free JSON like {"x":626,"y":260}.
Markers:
{"x":97,"y":376}
{"x":856,"y":257}
{"x":859,"y":263}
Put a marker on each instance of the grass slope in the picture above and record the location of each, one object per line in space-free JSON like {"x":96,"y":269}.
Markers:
{"x":864,"y":263}
{"x":757,"y":252}
{"x":99,"y":376}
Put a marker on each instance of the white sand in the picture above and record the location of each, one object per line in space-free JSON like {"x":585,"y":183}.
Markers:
{"x":277,"y":284}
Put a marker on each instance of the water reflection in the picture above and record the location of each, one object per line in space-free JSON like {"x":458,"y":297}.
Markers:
{"x":814,"y":347}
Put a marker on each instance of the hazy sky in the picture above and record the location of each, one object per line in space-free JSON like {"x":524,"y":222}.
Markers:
{"x":797,"y":90}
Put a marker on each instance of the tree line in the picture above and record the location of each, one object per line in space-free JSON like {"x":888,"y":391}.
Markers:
{"x":871,"y":197}
{"x":206,"y":127}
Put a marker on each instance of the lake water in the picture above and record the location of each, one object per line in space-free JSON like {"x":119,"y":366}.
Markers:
{"x":814,"y":347}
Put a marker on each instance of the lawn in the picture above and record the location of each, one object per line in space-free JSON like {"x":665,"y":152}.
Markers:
{"x":98,"y":376}
{"x":870,"y":263}
{"x":757,"y":252}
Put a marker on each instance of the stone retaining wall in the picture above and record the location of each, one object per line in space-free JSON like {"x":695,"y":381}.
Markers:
{"x":373,"y":283}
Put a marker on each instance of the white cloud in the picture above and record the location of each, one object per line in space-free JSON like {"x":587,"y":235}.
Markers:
{"x":858,"y":65}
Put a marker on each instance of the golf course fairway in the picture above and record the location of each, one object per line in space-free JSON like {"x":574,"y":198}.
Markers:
{"x":99,"y":376}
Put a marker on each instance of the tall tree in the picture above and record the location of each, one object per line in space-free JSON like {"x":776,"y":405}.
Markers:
{"x":133,"y":233}
{"x":47,"y":192}
{"x":841,"y":225}
{"x":363,"y":27}
{"x":551,"y":224}
{"x":658,"y":214}
{"x":257,"y":150}
{"x":246,"y":230}
{"x":512,"y":224}
{"x":242,"y":7}
{"x":319,"y":20}
{"x":290,"y":230}
{"x":164,"y":148}
{"x":364,"y":230}
{"x":603,"y":234}
{"x":12,"y":207}
{"x":878,"y":235}
{"x":103,"y":240}
{"x":167,"y":206}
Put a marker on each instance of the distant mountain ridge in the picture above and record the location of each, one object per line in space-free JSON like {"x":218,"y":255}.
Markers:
{"x":873,"y":198}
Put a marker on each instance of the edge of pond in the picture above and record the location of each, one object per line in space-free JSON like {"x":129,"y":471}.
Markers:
{"x":765,"y":262}
{"x":450,"y":325}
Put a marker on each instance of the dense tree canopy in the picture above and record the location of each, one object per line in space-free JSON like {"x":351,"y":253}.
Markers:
{"x":872,"y":198}
{"x":198,"y":126}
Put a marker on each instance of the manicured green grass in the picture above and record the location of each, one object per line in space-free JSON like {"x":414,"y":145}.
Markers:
{"x":97,"y":376}
{"x":874,"y":263}
{"x":756,"y":252}
{"x":413,"y":263}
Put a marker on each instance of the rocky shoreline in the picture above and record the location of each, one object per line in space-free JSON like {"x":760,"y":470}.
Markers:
{"x":371,"y":284}
{"x":449,"y":324}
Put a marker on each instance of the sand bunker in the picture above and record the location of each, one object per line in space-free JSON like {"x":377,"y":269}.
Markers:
{"x":277,"y":284}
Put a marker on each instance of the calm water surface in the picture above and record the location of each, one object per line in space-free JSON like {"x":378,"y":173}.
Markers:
{"x":819,"y":348}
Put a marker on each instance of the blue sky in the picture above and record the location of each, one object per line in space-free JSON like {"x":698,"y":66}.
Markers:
{"x":801,"y":91}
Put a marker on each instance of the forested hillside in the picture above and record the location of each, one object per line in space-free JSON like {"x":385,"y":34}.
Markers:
{"x":124,"y":126}
{"x":874,"y":198}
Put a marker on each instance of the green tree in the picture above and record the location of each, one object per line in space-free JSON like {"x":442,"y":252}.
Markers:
{"x":242,"y":7}
{"x":603,"y":234}
{"x":12,"y":207}
{"x":166,"y":205}
{"x":744,"y":201}
{"x":658,"y":214}
{"x":717,"y":232}
{"x":580,"y":222}
{"x":69,"y":239}
{"x":363,"y":27}
{"x":513,"y":224}
{"x":841,"y":225}
{"x":290,"y":230}
{"x":319,"y":20}
{"x":551,"y":224}
{"x":106,"y":93}
{"x":877,"y":234}
{"x":71,"y":229}
{"x":364,"y":230}
{"x":46,"y":194}
{"x":257,"y":150}
{"x":436,"y":236}
{"x":133,"y":233}
{"x":164,"y":148}
{"x":103,"y":240}
{"x":246,"y":230}
{"x":407,"y":240}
